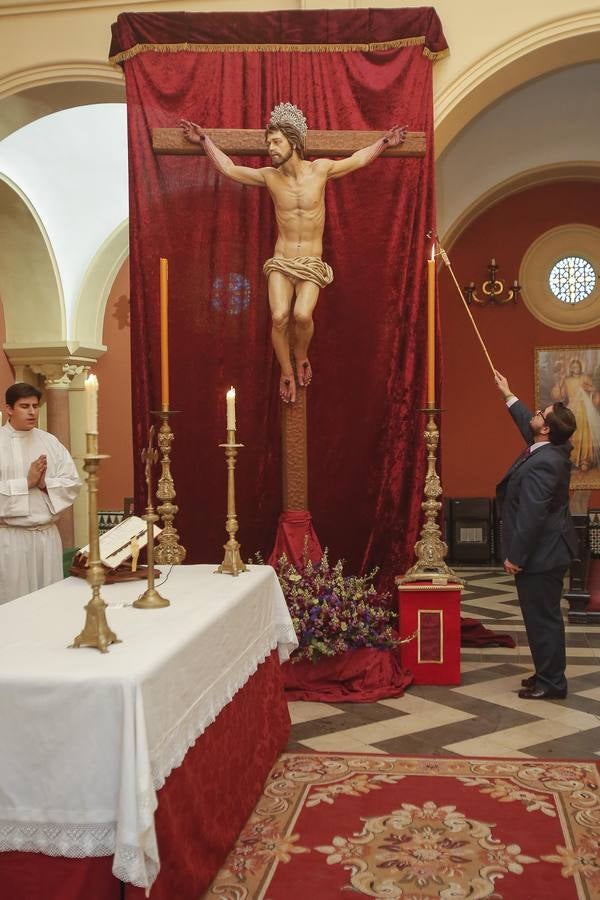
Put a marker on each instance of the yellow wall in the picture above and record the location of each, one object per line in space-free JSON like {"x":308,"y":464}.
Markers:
{"x":493,"y":46}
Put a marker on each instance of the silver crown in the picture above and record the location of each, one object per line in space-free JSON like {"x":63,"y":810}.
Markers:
{"x":288,"y":114}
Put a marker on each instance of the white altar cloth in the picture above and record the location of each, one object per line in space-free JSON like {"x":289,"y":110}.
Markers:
{"x":88,"y":738}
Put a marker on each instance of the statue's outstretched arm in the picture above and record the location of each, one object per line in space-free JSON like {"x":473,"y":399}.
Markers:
{"x":392,"y":138}
{"x":195,"y":134}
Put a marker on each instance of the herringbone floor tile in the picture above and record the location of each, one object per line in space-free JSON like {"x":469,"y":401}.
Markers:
{"x":483,"y":716}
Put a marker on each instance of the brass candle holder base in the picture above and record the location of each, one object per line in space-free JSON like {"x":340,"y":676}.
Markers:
{"x":150,"y":599}
{"x":232,"y":561}
{"x":96,"y":632}
{"x":169,"y":551}
{"x":430,"y":550}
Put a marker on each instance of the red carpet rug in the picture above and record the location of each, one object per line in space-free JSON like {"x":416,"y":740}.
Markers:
{"x":410,"y":827}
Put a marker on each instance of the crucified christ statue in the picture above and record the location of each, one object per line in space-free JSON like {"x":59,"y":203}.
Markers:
{"x":297,"y":188}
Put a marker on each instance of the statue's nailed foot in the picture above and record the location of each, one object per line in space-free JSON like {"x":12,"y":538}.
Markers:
{"x":304,"y":372}
{"x":287,"y":388}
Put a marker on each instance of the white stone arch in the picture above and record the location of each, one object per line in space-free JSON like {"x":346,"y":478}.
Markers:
{"x":555,"y":45}
{"x":520,"y":181}
{"x":28,"y":94}
{"x":74,"y":72}
{"x":31,"y":289}
{"x":88,"y":315}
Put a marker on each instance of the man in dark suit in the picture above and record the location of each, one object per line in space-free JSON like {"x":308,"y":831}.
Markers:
{"x":538,"y":539}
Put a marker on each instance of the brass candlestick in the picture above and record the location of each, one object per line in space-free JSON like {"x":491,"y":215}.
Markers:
{"x":169,"y":551}
{"x":96,"y":632}
{"x":431,"y":549}
{"x":232,"y":561}
{"x":150,"y":599}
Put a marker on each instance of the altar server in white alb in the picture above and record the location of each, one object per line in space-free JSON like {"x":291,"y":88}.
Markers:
{"x":38,"y":479}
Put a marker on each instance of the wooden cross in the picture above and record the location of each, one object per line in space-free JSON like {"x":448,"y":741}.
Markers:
{"x":251,"y":142}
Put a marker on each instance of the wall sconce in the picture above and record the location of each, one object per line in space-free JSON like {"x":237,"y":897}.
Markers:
{"x":493,"y":289}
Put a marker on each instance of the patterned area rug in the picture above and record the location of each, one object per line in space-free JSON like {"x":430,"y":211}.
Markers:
{"x":410,"y":827}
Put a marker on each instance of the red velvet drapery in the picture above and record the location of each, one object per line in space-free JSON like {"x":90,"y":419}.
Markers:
{"x":366,"y":69}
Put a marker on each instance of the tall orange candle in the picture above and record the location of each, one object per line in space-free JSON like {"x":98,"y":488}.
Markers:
{"x":431,"y":330}
{"x":164,"y":333}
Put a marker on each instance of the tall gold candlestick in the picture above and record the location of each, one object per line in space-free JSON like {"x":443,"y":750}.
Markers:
{"x":150,"y":599}
{"x":96,"y":632}
{"x":232,"y":561}
{"x":169,"y":551}
{"x":430,"y":550}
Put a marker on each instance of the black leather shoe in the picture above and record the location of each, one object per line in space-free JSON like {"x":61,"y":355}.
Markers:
{"x":529,"y":682}
{"x":540,"y":693}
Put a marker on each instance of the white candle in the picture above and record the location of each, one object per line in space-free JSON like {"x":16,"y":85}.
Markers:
{"x":91,"y":403}
{"x":231,"y":409}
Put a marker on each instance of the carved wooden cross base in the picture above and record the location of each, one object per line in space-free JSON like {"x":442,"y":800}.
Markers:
{"x":294,"y":466}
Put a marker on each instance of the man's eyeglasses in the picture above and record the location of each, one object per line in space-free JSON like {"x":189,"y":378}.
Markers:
{"x":540,"y":413}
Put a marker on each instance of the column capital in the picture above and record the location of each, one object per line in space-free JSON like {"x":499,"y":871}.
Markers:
{"x":57,"y":364}
{"x":56,"y":375}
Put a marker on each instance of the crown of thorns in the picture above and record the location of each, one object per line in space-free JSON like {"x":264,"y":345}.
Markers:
{"x":288,"y":114}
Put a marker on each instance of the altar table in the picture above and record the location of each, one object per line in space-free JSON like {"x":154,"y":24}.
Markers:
{"x":88,"y":739}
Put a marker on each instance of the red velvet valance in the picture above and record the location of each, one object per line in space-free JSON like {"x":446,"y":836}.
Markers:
{"x":321,"y":30}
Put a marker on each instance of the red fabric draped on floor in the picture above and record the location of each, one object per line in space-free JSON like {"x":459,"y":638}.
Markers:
{"x":364,"y":675}
{"x":366,"y":454}
{"x":201,"y":808}
{"x":474,"y":634}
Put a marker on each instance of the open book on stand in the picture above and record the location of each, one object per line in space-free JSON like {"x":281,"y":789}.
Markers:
{"x":119,"y":550}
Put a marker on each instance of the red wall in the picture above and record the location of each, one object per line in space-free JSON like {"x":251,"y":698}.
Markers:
{"x":114,"y":409}
{"x":478,"y":438}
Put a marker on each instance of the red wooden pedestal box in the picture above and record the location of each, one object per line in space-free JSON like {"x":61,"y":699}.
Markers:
{"x":433,"y":611}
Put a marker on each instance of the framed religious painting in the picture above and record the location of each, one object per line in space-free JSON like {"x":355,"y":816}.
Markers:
{"x":572,"y":374}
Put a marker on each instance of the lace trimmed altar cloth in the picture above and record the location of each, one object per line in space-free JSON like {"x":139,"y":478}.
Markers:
{"x":88,"y":738}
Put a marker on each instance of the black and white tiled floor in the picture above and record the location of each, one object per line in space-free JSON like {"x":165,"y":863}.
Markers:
{"x":483,"y":716}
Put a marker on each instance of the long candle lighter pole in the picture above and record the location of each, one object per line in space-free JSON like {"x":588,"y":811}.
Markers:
{"x":444,"y":256}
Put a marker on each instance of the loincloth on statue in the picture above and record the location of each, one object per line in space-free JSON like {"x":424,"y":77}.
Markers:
{"x":302,"y":268}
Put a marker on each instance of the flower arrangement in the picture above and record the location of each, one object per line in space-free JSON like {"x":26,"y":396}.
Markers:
{"x":333,"y":612}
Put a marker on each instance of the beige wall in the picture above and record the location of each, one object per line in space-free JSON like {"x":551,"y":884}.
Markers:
{"x":493,"y":46}
{"x":113,"y":371}
{"x":7,"y":376}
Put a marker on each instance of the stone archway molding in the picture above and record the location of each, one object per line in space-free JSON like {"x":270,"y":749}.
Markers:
{"x":59,"y":73}
{"x":555,"y":45}
{"x":31,"y":285}
{"x":88,"y":316}
{"x":588,"y":170}
{"x":32,"y":296}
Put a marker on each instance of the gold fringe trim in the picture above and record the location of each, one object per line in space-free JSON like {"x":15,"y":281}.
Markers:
{"x":434,"y":55}
{"x":124,"y":55}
